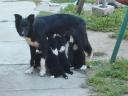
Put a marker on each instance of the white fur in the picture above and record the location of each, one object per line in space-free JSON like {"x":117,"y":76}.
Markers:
{"x":23,"y":33}
{"x":54,"y":35}
{"x":84,"y":67}
{"x":55,"y":52}
{"x":86,"y":54}
{"x":75,"y":47}
{"x":91,"y":56}
{"x":38,"y":51}
{"x":71,"y":39}
{"x":58,"y":35}
{"x":42,"y":67}
{"x":62,"y":49}
{"x":29,"y":70}
{"x":52,"y":76}
{"x":66,"y":49}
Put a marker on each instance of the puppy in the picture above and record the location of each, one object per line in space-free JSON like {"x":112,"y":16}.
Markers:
{"x":56,"y":60}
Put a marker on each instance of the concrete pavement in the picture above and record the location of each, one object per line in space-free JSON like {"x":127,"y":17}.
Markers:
{"x":14,"y":60}
{"x":13,"y":82}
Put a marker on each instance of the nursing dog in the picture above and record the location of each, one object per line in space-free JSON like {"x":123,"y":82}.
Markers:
{"x":38,"y":29}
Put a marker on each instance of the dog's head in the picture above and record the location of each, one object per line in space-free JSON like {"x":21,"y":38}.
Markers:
{"x":24,"y":25}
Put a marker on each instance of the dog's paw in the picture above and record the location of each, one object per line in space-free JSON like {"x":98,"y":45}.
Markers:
{"x":84,"y":67}
{"x":42,"y":73}
{"x":29,"y":70}
{"x":52,"y":76}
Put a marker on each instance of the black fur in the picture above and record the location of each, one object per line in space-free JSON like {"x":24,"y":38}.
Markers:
{"x":62,"y":55}
{"x":76,"y":57}
{"x":57,"y":64}
{"x":41,"y":27}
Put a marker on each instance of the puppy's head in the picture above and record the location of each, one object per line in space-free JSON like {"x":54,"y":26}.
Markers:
{"x":24,"y":26}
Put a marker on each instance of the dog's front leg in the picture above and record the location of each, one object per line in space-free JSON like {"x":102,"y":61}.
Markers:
{"x":42,"y":67}
{"x":32,"y":60}
{"x":43,"y":49}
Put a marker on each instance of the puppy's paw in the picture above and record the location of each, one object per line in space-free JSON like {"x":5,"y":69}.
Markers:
{"x":29,"y":70}
{"x":42,"y":73}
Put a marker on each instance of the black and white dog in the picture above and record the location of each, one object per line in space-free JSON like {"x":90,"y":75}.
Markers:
{"x":36,"y":30}
{"x":56,"y":61}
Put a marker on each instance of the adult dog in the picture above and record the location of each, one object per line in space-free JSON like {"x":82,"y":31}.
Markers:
{"x":40,"y":28}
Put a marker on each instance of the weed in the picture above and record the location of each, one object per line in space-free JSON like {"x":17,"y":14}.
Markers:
{"x":109,"y":23}
{"x":110,"y":79}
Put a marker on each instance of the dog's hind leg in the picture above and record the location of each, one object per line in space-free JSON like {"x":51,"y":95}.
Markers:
{"x":81,"y":39}
{"x":42,"y":67}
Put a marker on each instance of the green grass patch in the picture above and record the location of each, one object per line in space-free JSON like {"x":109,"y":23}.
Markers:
{"x":35,"y":1}
{"x":62,"y":1}
{"x":44,"y":13}
{"x":90,"y":1}
{"x":70,"y":1}
{"x":109,"y":79}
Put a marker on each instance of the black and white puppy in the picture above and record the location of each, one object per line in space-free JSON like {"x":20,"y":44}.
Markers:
{"x":56,"y":61}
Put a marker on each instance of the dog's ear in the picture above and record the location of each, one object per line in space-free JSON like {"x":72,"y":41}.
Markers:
{"x":31,"y":18}
{"x":17,"y":17}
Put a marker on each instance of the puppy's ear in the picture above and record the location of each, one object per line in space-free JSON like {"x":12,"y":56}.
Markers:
{"x":31,"y":18}
{"x":17,"y":17}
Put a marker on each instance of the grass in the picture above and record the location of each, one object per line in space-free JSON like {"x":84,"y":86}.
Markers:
{"x":90,"y":1}
{"x":109,"y":79}
{"x":109,"y":23}
{"x":67,"y":1}
{"x":99,"y":23}
{"x":35,"y":1}
{"x":44,"y":13}
{"x":62,"y":1}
